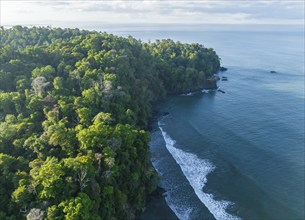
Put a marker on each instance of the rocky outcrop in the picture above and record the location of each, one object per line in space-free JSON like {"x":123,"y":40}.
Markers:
{"x":222,"y":69}
{"x":210,"y":83}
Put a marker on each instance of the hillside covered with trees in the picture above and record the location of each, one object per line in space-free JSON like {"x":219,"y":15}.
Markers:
{"x":74,"y":110}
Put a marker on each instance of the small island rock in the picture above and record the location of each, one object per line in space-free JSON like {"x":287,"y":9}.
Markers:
{"x":223,"y":69}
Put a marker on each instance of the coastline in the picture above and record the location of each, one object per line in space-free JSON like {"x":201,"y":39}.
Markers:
{"x":157,"y":208}
{"x":156,"y":203}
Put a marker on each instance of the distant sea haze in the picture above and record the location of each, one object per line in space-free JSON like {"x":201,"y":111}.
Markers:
{"x":127,"y":28}
{"x":236,"y":154}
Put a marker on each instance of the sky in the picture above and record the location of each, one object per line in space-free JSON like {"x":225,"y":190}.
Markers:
{"x":45,"y":12}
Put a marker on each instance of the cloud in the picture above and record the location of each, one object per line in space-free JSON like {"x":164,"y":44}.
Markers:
{"x":253,"y":9}
{"x":166,"y":11}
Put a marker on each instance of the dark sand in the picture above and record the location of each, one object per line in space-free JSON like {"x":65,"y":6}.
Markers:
{"x":157,"y":209}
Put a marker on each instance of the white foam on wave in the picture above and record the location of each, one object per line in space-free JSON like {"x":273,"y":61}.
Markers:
{"x":196,"y":171}
{"x":206,"y":90}
{"x":181,"y":211}
{"x":188,"y":94}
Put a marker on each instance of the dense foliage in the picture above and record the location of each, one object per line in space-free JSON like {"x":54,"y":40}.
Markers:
{"x":74,"y":106}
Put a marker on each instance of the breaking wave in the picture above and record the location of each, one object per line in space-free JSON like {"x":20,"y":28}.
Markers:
{"x":196,"y":171}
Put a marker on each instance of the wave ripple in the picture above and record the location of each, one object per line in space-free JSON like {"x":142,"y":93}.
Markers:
{"x":196,"y":171}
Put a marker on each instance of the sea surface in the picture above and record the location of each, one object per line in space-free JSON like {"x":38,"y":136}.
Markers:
{"x":238,"y":154}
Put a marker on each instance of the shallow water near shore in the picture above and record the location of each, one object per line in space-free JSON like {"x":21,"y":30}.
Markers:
{"x":238,"y":154}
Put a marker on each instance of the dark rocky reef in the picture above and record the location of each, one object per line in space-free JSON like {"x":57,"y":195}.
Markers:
{"x":165,"y":114}
{"x":223,"y":69}
{"x":210,"y":83}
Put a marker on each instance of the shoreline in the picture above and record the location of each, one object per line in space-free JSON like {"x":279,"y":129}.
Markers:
{"x":156,"y":203}
{"x":157,"y":208}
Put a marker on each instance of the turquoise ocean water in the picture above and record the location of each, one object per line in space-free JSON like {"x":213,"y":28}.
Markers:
{"x":238,"y":154}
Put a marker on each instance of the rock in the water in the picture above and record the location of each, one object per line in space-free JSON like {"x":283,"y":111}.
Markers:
{"x":165,"y":113}
{"x":224,"y":78}
{"x":222,"y":69}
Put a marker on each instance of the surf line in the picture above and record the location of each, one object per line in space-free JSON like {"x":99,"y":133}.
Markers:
{"x":196,"y":170}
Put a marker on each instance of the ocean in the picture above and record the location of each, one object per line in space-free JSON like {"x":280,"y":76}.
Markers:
{"x":237,"y":154}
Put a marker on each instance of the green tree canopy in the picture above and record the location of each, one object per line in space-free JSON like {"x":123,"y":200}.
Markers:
{"x":74,"y":112}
